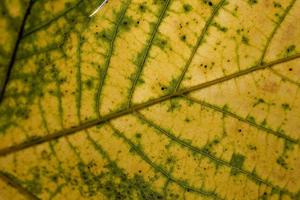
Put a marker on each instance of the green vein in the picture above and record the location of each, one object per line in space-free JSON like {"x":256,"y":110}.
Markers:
{"x":53,"y":47}
{"x":42,"y":114}
{"x":251,"y":123}
{"x":73,"y":148}
{"x":285,"y":78}
{"x":199,"y":41}
{"x":148,"y":48}
{"x":60,"y":170}
{"x":98,"y":148}
{"x":12,"y":182}
{"x":165,"y":188}
{"x":106,"y":118}
{"x":58,"y":95}
{"x":78,"y":80}
{"x":281,"y":19}
{"x":160,"y":169}
{"x":47,"y":23}
{"x":204,"y":153}
{"x":110,"y":53}
{"x":77,"y":154}
{"x":57,"y":190}
{"x":287,"y":10}
{"x":119,"y":172}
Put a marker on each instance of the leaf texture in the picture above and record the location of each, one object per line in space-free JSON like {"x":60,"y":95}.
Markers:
{"x":158,"y":99}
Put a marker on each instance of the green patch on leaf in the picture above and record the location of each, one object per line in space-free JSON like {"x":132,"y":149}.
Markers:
{"x":127,"y":23}
{"x":250,"y":119}
{"x":220,"y":27}
{"x":245,"y":40}
{"x":187,"y":7}
{"x":285,"y":106}
{"x":142,"y":7}
{"x":252,"y":2}
{"x":281,"y":161}
{"x":237,"y":161}
{"x":160,"y":42}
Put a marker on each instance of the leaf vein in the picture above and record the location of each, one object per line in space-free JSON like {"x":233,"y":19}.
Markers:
{"x":106,"y":118}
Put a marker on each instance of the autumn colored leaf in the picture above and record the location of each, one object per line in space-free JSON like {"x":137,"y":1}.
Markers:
{"x":150,"y":99}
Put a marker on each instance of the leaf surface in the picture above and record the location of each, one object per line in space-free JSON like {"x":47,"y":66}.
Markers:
{"x":159,"y":99}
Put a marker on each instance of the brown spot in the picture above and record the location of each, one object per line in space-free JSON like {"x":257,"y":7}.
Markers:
{"x":270,"y":86}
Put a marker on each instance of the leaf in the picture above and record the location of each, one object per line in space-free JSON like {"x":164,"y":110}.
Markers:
{"x":13,"y":17}
{"x":158,"y":99}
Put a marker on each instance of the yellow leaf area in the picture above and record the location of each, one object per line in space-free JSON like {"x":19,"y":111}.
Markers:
{"x":151,"y":99}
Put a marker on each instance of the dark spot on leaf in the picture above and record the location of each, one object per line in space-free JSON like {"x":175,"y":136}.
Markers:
{"x":285,"y":106}
{"x":187,"y":7}
{"x":142,"y":8}
{"x":183,"y":37}
{"x":245,"y":40}
{"x":281,"y":161}
{"x":290,"y":49}
{"x":252,"y":2}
